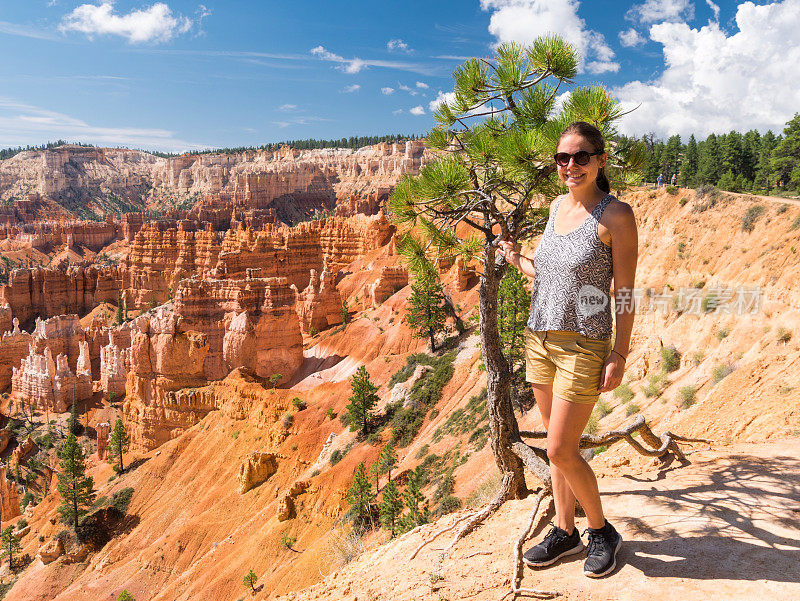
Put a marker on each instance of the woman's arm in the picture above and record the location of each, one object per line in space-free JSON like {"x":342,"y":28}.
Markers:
{"x":625,"y":253}
{"x":524,"y":264}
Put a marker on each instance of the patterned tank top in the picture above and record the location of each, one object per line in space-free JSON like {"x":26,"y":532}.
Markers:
{"x":572,"y":278}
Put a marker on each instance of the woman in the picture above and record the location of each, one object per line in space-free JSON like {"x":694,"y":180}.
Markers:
{"x":589,"y":238}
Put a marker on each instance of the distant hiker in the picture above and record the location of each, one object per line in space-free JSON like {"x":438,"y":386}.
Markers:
{"x":674,"y":179}
{"x":568,"y":348}
{"x":660,"y":179}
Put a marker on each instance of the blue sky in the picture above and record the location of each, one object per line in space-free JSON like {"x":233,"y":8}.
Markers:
{"x":177,"y":75}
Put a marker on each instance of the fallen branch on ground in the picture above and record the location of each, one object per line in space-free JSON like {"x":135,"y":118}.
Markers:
{"x":516,"y":575}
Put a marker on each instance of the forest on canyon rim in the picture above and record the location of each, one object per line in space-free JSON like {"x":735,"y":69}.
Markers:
{"x":288,"y":420}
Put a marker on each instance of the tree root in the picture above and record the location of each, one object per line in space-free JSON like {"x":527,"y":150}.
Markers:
{"x":516,"y":575}
{"x":662,"y":445}
{"x":472,"y":520}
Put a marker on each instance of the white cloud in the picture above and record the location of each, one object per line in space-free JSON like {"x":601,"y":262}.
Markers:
{"x":387,"y":90}
{"x":525,"y":20}
{"x":155,"y":24}
{"x":630,"y":38}
{"x":351,"y":88}
{"x":397,"y":112}
{"x":661,"y":10}
{"x":417,"y":110}
{"x":422,"y":85}
{"x":398,"y":46}
{"x":287,"y":107}
{"x":22,"y":124}
{"x":715,"y":8}
{"x":355,"y":65}
{"x":448,"y":97}
{"x":715,"y":82}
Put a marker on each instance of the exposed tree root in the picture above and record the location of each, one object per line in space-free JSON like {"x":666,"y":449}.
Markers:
{"x":662,"y":445}
{"x":516,"y":575}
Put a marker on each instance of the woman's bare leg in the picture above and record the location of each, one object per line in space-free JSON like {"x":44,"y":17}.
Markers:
{"x":563,"y":496}
{"x":567,"y":421}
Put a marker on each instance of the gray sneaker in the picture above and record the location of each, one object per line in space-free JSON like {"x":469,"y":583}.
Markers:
{"x":554,"y":546}
{"x":601,"y":556}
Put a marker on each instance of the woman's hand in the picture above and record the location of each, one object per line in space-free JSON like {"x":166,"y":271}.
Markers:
{"x":613,"y":370}
{"x":506,"y":248}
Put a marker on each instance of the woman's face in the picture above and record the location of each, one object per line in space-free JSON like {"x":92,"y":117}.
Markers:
{"x":574,"y":176}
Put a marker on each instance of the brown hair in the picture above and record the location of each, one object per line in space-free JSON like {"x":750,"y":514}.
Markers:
{"x":591,"y":134}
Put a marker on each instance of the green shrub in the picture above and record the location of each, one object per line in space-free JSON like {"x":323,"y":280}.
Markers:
{"x":299,"y":403}
{"x":720,"y":371}
{"x":287,"y":420}
{"x":600,"y":449}
{"x":784,"y":335}
{"x":672,"y":190}
{"x":330,"y":414}
{"x":670,"y":358}
{"x":709,"y":302}
{"x":687,"y":396}
{"x":591,"y":425}
{"x":795,"y":224}
{"x":623,"y":392}
{"x":336,"y":457}
{"x":122,"y":499}
{"x":654,"y":385}
{"x":683,"y":201}
{"x":22,"y":523}
{"x":603,"y":408}
{"x":423,"y":451}
{"x":287,"y":541}
{"x":631,"y":408}
{"x":750,"y":216}
{"x":723,"y":333}
{"x":698,"y":357}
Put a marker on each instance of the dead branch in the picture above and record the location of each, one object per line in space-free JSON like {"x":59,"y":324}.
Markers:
{"x":516,"y":574}
{"x":436,"y":534}
{"x":662,"y":445}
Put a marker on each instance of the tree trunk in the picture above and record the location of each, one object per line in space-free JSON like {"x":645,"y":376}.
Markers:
{"x":502,"y":422}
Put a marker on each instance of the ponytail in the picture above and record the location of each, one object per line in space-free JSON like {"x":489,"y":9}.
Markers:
{"x":602,"y":181}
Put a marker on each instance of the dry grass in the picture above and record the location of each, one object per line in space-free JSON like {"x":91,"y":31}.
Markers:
{"x":345,"y":545}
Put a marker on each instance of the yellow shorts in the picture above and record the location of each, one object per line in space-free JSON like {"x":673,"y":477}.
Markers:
{"x":570,"y":361}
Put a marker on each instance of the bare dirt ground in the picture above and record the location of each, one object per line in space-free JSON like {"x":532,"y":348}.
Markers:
{"x":724,"y":527}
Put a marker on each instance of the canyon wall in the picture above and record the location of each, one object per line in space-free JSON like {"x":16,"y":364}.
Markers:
{"x":293,"y":183}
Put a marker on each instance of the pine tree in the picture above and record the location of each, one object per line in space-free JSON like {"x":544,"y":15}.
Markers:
{"x":359,"y":495}
{"x":250,"y":580}
{"x":118,"y":444}
{"x":345,"y":311}
{"x":762,"y":175}
{"x":120,"y":316}
{"x":391,"y":506}
{"x":413,"y":497}
{"x":688,"y":172}
{"x":709,"y":160}
{"x":11,"y":545}
{"x":513,"y":310}
{"x":362,"y":400}
{"x":74,"y":424}
{"x":75,"y":487}
{"x":386,"y":462}
{"x":426,"y":313}
{"x":785,"y":162}
{"x":671,"y":158}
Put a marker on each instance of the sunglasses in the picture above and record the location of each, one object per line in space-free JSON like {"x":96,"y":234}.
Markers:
{"x":581,"y":157}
